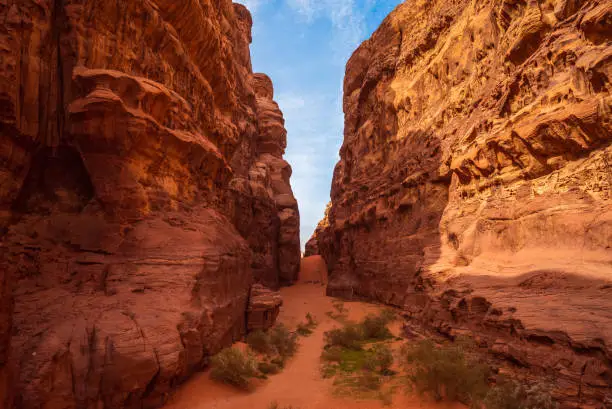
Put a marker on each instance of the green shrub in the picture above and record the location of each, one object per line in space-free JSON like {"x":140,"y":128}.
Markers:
{"x":446,"y":372}
{"x":332,"y":354}
{"x":310,"y":320}
{"x":350,"y":336}
{"x":369,"y":381}
{"x":234,"y":367}
{"x":374,"y":327}
{"x":259,"y":341}
{"x":279,"y":361}
{"x":268,"y":368}
{"x":339,"y":307}
{"x":514,"y":395}
{"x":328,"y":371}
{"x":379,"y":359}
{"x":303,"y":329}
{"x":283,"y":341}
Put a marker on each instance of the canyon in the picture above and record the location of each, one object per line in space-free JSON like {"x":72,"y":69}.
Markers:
{"x":143,"y":192}
{"x":147,"y":219}
{"x":474,"y":185}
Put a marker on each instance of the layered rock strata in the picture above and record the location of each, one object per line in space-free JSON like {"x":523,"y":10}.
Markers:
{"x":264,"y":307}
{"x":276,"y":245}
{"x":474,"y":186}
{"x":131,"y":138}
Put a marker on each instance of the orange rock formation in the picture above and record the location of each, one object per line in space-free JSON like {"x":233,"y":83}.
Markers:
{"x":474,"y":186}
{"x":142,"y":192}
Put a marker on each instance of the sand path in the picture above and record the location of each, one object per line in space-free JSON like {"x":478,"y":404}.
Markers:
{"x":300,"y":384}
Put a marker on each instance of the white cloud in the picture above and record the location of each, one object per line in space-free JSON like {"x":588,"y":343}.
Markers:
{"x":252,"y":5}
{"x":347,"y":19}
{"x":312,"y":108}
{"x":314,"y":121}
{"x":308,"y":8}
{"x":288,"y":102}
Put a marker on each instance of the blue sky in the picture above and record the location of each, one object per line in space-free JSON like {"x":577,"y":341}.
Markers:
{"x":303,"y":45}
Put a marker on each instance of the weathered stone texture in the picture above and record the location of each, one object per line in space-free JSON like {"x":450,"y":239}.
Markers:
{"x":129,"y":136}
{"x":474,"y":186}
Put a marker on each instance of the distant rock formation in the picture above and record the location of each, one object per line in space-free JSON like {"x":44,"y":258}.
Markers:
{"x":142,"y":193}
{"x":474,"y":186}
{"x":276,"y":247}
{"x":312,"y":246}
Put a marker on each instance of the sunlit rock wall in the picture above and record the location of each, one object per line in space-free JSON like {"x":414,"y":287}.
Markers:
{"x":474,"y":182}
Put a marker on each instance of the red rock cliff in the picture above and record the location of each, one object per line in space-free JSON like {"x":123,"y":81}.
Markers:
{"x":138,"y":160}
{"x":474,"y":186}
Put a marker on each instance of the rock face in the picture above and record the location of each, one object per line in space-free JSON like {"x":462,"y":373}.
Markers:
{"x":264,"y":307}
{"x":134,"y":141}
{"x":474,"y":186}
{"x":276,"y":246}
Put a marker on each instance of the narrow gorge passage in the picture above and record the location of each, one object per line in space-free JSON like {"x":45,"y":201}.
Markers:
{"x":301,"y":383}
{"x":157,"y":195}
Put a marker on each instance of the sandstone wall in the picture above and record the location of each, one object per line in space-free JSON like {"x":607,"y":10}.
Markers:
{"x":131,"y":138}
{"x":474,"y":186}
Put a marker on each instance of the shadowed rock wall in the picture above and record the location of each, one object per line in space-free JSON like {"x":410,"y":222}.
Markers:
{"x":130,"y":141}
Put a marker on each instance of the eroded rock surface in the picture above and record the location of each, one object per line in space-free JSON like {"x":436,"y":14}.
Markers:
{"x":131,"y":138}
{"x":264,"y":307}
{"x":474,"y":186}
{"x":269,"y":183}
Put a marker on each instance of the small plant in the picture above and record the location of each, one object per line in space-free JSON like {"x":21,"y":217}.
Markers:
{"x":509,"y":394}
{"x":379,"y":359}
{"x":259,"y":341}
{"x":369,"y":381}
{"x":268,"y":368}
{"x":278,"y":361}
{"x":374,"y":327}
{"x":446,"y":372}
{"x":284,"y":342}
{"x":332,"y":354}
{"x":350,"y":336}
{"x":328,"y":371}
{"x":306,"y":328}
{"x":339,"y":307}
{"x":303,"y":329}
{"x":234,"y":367}
{"x":310,"y":321}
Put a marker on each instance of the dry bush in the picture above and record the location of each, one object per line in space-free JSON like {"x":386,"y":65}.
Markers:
{"x":446,"y":372}
{"x":379,"y":359}
{"x":374,"y":327}
{"x":510,"y":394}
{"x":234,"y":367}
{"x":283,"y":341}
{"x":350,"y":337}
{"x":269,"y":368}
{"x":259,"y":341}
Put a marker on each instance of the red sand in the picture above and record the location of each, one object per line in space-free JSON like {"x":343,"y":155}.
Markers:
{"x":313,"y":270}
{"x":300,"y":384}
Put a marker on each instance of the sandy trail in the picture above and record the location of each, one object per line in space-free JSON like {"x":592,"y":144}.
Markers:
{"x":300,"y":384}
